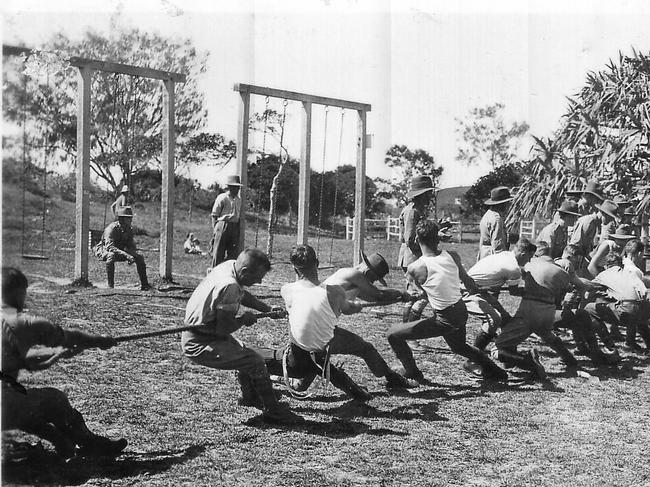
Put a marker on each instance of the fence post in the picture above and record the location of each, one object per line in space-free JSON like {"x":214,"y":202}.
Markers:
{"x":388,"y":229}
{"x":460,"y":231}
{"x":532,"y":232}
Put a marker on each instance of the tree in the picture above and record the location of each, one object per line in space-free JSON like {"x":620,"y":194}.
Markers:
{"x":486,"y":138}
{"x":126,"y":111}
{"x":406,"y":164}
{"x":510,"y":175}
{"x":605,"y":136}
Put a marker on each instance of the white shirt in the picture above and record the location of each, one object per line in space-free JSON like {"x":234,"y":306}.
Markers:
{"x":495,"y":270}
{"x":311,"y":317}
{"x":443,"y":280}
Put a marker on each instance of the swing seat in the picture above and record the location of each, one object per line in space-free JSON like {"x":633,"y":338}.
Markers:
{"x":35,"y":257}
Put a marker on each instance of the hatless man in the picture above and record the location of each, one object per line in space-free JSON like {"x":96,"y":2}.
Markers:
{"x":493,"y":235}
{"x":214,"y":305}
{"x":314,"y":334}
{"x":437,"y":274}
{"x":44,"y":411}
{"x":225,"y":216}
{"x":117,"y":245}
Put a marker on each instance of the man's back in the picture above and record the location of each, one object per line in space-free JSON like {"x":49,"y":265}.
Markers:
{"x":495,"y":270}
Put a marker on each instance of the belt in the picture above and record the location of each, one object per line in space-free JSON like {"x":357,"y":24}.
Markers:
{"x":539,"y":300}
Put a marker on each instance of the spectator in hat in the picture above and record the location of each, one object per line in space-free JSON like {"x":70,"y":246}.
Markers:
{"x":556,"y":233}
{"x":117,"y":245}
{"x":121,"y":202}
{"x":630,"y":217}
{"x":494,"y":237}
{"x":614,"y":243}
{"x":192,"y":245}
{"x":419,"y":197}
{"x":587,"y":226}
{"x":592,"y":195}
{"x":225,"y":215}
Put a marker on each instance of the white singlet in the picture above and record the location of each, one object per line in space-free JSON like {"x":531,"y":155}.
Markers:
{"x":443,"y":281}
{"x":311,"y":318}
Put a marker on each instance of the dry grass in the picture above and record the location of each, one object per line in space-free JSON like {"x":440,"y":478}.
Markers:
{"x":185,"y":428}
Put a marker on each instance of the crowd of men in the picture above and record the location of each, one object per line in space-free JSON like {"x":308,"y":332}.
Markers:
{"x":585,"y":272}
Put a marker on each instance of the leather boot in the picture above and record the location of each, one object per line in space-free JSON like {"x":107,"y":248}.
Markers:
{"x":272,"y":410}
{"x":91,"y":444}
{"x":529,"y":361}
{"x":110,"y":274}
{"x":249,"y":396}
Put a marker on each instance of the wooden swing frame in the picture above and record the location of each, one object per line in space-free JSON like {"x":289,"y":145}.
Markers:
{"x":245,"y":92}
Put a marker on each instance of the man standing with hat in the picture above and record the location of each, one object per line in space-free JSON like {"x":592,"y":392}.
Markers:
{"x":556,"y":233}
{"x":587,"y":226}
{"x":121,"y":201}
{"x":117,"y":245}
{"x":225,"y":215}
{"x":419,"y":197}
{"x":494,"y":237}
{"x":591,"y":195}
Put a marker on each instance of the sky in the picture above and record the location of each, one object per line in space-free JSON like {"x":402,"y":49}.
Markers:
{"x":422,"y":65}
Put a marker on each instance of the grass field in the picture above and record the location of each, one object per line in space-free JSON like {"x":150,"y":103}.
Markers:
{"x":184,"y":426}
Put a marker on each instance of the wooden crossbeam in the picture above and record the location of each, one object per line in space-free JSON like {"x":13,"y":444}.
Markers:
{"x":106,"y":66}
{"x":303,"y":97}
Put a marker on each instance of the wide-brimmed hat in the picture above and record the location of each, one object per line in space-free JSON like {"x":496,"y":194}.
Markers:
{"x":377,"y":264}
{"x":125,"y":189}
{"x":233,"y":181}
{"x":125,"y":211}
{"x":609,"y":207}
{"x":419,"y":185}
{"x":499,"y":195}
{"x":623,"y":232}
{"x":594,"y":187}
{"x":570,"y":208}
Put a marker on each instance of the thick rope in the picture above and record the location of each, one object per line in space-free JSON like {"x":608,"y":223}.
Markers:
{"x":322,"y":382}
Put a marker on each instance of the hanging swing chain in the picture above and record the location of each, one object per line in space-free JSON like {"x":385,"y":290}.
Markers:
{"x":22,"y":240}
{"x":259,"y":189}
{"x":45,"y":156}
{"x":336,"y":183}
{"x":322,"y":182}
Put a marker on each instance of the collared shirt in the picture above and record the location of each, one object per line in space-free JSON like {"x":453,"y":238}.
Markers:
{"x":621,"y":284}
{"x":584,"y":232}
{"x":495,"y":270}
{"x":544,"y":280}
{"x":226,"y":205}
{"x":219,"y":291}
{"x":118,"y":237}
{"x":408,"y":220}
{"x":556,"y":235}
{"x":20,"y":332}
{"x":494,"y":237}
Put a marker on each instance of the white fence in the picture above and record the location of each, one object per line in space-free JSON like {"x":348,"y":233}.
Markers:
{"x":391,"y":226}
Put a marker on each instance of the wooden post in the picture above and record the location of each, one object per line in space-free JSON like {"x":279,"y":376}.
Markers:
{"x":460,"y":231}
{"x":388,"y":229}
{"x":82,"y":219}
{"x":242,"y":160}
{"x":360,"y":189}
{"x":304,"y":175}
{"x":167,"y":199}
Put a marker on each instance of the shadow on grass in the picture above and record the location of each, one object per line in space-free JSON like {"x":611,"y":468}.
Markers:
{"x":36,"y":465}
{"x":336,"y":428}
{"x":629,"y":367}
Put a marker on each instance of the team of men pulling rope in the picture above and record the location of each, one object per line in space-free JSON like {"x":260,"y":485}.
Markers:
{"x":565,"y":280}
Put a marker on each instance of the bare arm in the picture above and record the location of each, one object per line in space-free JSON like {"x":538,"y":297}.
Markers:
{"x":251,"y":301}
{"x":469,"y":283}
{"x":598,"y":259}
{"x":416,"y":275}
{"x":339,"y":303}
{"x":369,"y":292}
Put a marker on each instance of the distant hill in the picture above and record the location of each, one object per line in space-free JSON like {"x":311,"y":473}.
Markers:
{"x":448,"y":199}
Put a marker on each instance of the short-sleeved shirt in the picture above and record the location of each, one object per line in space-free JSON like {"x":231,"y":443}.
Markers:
{"x":219,"y":291}
{"x":584,"y":232}
{"x":20,"y":332}
{"x":225,"y":204}
{"x":494,"y":237}
{"x":495,"y":270}
{"x":544,"y":280}
{"x":556,"y":235}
